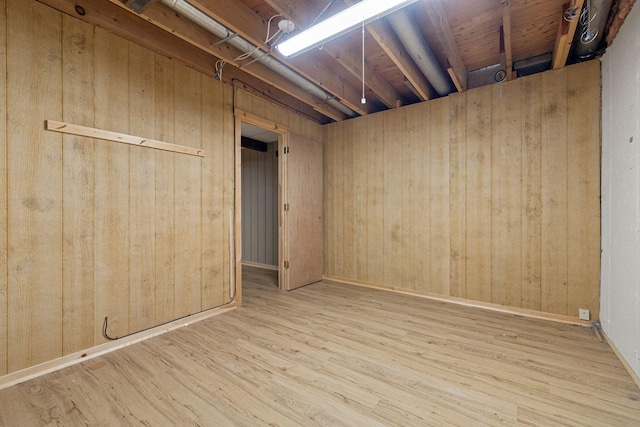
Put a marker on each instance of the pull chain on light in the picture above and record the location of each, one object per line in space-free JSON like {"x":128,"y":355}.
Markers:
{"x":364,"y":99}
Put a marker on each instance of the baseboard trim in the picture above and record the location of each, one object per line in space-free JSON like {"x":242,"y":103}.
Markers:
{"x":524,"y":312}
{"x":626,"y":365}
{"x":258,"y":265}
{"x":101,"y":349}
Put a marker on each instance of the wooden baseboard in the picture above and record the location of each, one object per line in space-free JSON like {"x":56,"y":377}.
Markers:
{"x":258,"y":265}
{"x":99,"y":350}
{"x":524,"y":312}
{"x":626,"y":365}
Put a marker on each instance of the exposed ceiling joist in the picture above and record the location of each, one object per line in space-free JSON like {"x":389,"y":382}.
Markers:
{"x":327,"y":84}
{"x":163,"y":17}
{"x":506,"y":32}
{"x":398,"y":54}
{"x":438,"y":18}
{"x":291,"y":9}
{"x":378,"y":84}
{"x":114,"y":18}
{"x":178,"y":26}
{"x":244,"y":21}
{"x":565,"y":35}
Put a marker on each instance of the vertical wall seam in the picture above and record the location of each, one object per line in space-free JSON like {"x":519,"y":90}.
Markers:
{"x":62,"y":186}
{"x":155,"y":186}
{"x":95,"y":190}
{"x":464,"y":210}
{"x":200,"y":165}
{"x":491,"y":190}
{"x":541,"y":116}
{"x":6,"y":190}
{"x":200,"y":176}
{"x":466,"y":189}
{"x":173,"y":113}
{"x":566,"y":185}
{"x":129,"y":330}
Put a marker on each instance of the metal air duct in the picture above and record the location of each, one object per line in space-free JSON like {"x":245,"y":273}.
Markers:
{"x":208,"y":23}
{"x":412,"y":40}
{"x":585,"y":48}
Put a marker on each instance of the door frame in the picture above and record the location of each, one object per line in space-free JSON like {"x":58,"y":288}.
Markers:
{"x":283,"y":135}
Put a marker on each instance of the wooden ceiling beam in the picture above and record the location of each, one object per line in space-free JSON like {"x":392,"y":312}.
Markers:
{"x":300,"y":12}
{"x":130,"y":26}
{"x":439,"y":20}
{"x":183,"y":28}
{"x":241,"y":19}
{"x":564,"y":37}
{"x":506,"y":31}
{"x":561,"y":40}
{"x":163,"y":17}
{"x":378,"y":84}
{"x":390,"y":44}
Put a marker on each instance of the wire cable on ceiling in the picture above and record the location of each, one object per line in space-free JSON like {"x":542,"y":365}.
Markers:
{"x":267,"y":40}
{"x":205,"y":21}
{"x":219,"y":66}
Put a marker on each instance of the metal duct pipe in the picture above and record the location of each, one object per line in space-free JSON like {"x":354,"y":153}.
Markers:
{"x":410,"y":37}
{"x":208,"y":23}
{"x":599,"y":13}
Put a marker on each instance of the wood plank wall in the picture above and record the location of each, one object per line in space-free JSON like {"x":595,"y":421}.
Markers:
{"x":277,"y":114}
{"x":95,"y":228}
{"x":491,"y":195}
{"x":260,"y":205}
{"x":285,"y":119}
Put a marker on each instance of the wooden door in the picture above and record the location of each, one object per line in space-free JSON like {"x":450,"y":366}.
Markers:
{"x":302,"y":212}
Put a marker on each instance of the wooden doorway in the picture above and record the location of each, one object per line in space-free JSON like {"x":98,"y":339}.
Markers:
{"x":299,"y":205}
{"x":259,"y":190}
{"x":251,"y":119}
{"x":302,"y":220}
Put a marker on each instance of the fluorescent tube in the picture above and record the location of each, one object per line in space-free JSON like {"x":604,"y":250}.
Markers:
{"x":340,"y":23}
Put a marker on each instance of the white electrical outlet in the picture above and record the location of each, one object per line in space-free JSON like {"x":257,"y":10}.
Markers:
{"x":583,"y":314}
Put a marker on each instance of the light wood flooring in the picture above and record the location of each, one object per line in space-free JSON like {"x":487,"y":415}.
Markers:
{"x":333,"y":354}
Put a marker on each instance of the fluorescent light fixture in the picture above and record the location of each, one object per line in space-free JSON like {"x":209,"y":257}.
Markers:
{"x":365,"y":11}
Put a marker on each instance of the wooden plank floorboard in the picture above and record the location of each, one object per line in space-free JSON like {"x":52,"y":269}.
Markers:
{"x":335,"y":354}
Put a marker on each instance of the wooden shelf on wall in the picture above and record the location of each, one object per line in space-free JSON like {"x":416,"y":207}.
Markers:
{"x":79,"y":130}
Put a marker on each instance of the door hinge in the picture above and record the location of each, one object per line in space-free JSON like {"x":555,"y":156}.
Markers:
{"x":286,"y":264}
{"x":286,"y":150}
{"x":286,"y":207}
